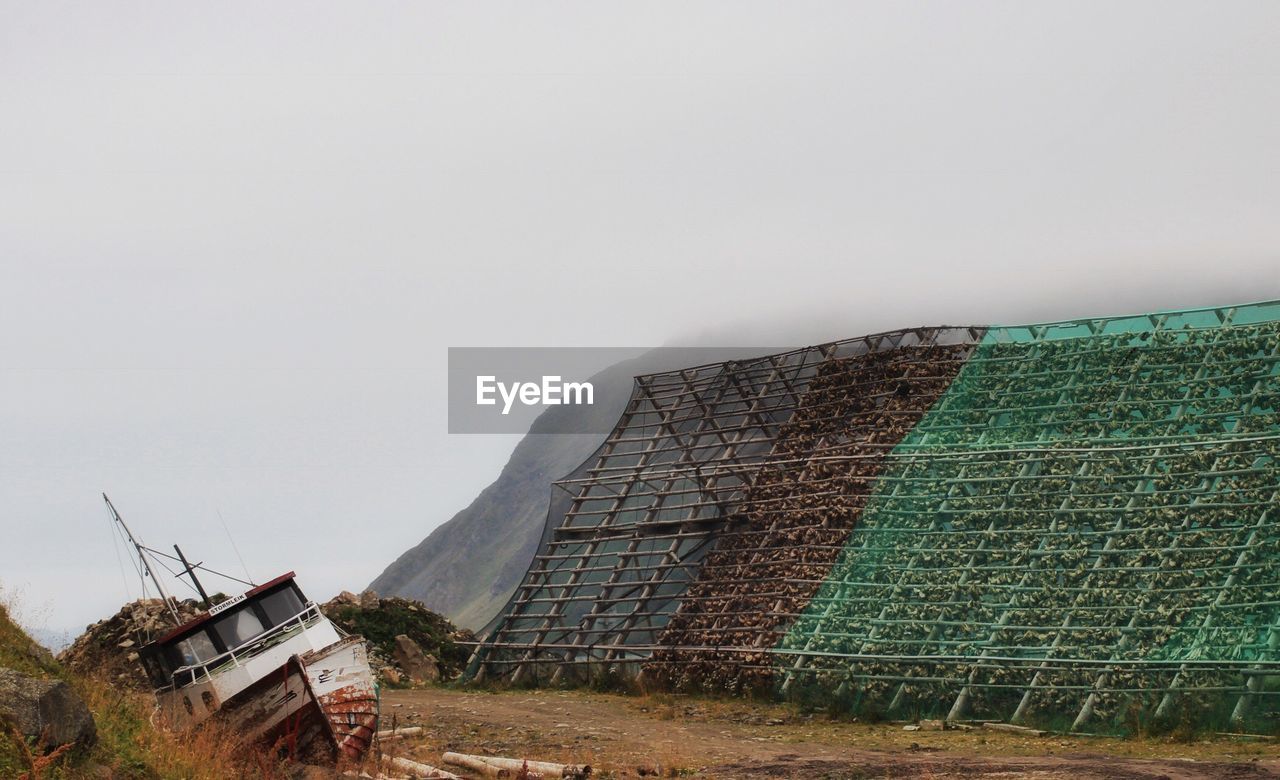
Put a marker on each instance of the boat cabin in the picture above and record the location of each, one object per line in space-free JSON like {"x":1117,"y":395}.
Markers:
{"x":253,"y":618}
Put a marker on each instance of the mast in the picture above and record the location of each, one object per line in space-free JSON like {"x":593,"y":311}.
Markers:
{"x":142,"y":556}
{"x":190,"y":570}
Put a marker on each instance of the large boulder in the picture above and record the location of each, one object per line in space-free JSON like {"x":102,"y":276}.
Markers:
{"x":46,"y":710}
{"x":345,"y":598}
{"x":418,"y":665}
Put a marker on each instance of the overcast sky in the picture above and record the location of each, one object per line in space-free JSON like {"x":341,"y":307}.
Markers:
{"x":236,"y":239}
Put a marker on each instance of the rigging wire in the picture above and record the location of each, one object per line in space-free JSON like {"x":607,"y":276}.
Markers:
{"x":137,"y":565}
{"x":235,"y":548}
{"x":140,"y":566}
{"x":124,"y":577}
{"x":199,"y":566}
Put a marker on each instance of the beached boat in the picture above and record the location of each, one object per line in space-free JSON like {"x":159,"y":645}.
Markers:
{"x":269,"y":665}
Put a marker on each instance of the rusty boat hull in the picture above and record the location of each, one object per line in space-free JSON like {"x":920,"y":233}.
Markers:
{"x":342,"y":684}
{"x":321,"y":704}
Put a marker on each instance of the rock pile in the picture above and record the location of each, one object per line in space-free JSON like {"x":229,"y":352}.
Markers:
{"x":409,"y":644}
{"x":109,"y":648}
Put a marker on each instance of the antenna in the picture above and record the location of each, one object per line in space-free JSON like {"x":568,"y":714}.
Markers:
{"x":142,"y":556}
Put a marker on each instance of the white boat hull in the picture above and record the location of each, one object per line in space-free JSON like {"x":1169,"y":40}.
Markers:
{"x":321,"y":700}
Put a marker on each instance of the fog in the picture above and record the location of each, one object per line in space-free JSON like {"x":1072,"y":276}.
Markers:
{"x":236,"y":239}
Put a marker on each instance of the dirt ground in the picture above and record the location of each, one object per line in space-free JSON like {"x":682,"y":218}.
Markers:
{"x":626,"y":736}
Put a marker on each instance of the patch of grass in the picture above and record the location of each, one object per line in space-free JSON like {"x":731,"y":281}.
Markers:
{"x":12,"y":762}
{"x":134,"y":749}
{"x":25,"y":758}
{"x":21,"y":653}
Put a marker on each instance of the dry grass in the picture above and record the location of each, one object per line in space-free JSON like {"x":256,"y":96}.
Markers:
{"x":26,"y":760}
{"x":132,"y":747}
{"x":17,"y":650}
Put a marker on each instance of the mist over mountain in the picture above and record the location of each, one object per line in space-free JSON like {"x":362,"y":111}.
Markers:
{"x":469,"y":566}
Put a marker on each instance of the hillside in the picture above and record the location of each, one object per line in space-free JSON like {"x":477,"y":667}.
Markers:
{"x":44,"y":722}
{"x":467,"y":568}
{"x":20,"y":652}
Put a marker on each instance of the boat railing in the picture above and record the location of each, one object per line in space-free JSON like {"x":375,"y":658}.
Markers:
{"x":199,"y":672}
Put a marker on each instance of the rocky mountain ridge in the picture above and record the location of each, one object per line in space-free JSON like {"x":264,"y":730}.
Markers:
{"x":469,"y":566}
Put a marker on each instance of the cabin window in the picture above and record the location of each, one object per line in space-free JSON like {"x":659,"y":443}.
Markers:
{"x":195,"y":649}
{"x":157,"y":672}
{"x":281,"y":605}
{"x":238,"y":627}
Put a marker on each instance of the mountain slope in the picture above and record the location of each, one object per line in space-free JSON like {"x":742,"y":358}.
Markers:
{"x":468,"y":567}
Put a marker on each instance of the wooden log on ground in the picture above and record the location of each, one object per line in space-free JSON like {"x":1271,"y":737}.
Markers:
{"x":544,"y":768}
{"x":1030,"y":732}
{"x":408,"y":731}
{"x":1237,"y":735}
{"x":417,"y":770}
{"x":379,"y":776}
{"x":475,"y":764}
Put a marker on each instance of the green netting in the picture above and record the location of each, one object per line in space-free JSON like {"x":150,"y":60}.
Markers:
{"x":1081,"y":533}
